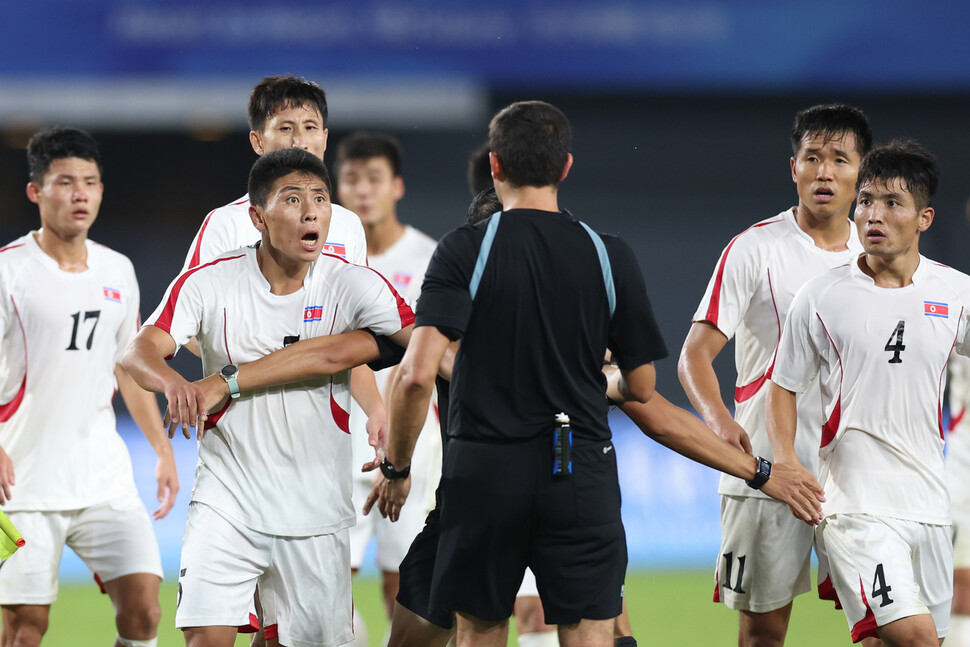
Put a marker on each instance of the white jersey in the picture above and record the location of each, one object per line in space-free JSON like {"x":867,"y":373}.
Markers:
{"x":403,"y":264}
{"x":230,"y":227}
{"x":880,"y":358}
{"x":277,"y":460}
{"x":61,"y":335}
{"x":748,"y":297}
{"x":958,"y":438}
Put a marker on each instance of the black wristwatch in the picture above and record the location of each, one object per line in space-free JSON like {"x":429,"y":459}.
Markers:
{"x":391,"y":474}
{"x":762,"y":475}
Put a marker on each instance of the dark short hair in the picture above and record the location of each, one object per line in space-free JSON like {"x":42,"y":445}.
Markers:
{"x":279,"y":163}
{"x":832,"y":121}
{"x":280,"y":92}
{"x":479,"y":170}
{"x":531,"y":140}
{"x":483,"y":206}
{"x":363,"y":145}
{"x":57,"y":143}
{"x":907,"y":161}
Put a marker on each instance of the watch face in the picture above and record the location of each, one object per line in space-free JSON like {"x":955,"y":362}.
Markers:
{"x":229,"y":370}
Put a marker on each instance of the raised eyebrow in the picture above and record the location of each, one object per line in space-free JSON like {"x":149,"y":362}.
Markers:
{"x":841,"y":153}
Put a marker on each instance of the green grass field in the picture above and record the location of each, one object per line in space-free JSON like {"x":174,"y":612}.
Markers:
{"x":665,"y":609}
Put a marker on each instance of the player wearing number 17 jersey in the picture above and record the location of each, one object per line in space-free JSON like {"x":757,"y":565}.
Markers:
{"x":875,"y":336}
{"x":764,"y":558}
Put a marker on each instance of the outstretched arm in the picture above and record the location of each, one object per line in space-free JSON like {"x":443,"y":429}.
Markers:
{"x":696,"y":371}
{"x":144,"y":410}
{"x":682,"y":432}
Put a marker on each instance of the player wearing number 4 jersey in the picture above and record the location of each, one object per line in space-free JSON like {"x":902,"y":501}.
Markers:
{"x":283,"y":527}
{"x":68,"y":308}
{"x":875,"y":335}
{"x":764,"y":560}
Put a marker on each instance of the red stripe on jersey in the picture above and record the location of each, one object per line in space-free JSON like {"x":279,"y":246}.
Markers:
{"x":341,"y":417}
{"x":831,"y":426}
{"x":7,"y":410}
{"x":403,"y":309}
{"x":826,"y":591}
{"x":97,"y":579}
{"x":742,"y":393}
{"x":271,"y":632}
{"x":3,"y":249}
{"x":165,"y":319}
{"x":213,"y":418}
{"x":865,"y":628}
{"x":713,"y":308}
{"x":717,"y":592}
{"x":197,"y":252}
{"x":939,"y":400}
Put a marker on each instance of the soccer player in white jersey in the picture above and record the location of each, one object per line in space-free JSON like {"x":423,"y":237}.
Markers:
{"x":875,"y":336}
{"x":68,"y":308}
{"x":369,"y":183}
{"x":958,"y":475}
{"x":284,"y":526}
{"x":764,"y":560}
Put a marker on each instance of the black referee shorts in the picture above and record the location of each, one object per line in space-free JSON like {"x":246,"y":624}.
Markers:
{"x":502,"y":510}
{"x":416,"y":571}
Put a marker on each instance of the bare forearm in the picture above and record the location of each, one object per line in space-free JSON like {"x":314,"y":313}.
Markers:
{"x":143,"y":408}
{"x":409,"y":409}
{"x":682,"y":432}
{"x":782,"y":421}
{"x":309,"y":359}
{"x":147,"y":366}
{"x":363,"y":387}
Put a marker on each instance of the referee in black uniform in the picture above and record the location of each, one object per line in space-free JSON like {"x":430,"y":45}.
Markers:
{"x":529,"y":476}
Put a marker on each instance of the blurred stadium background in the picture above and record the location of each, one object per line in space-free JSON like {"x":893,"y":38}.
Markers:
{"x":681,"y":113}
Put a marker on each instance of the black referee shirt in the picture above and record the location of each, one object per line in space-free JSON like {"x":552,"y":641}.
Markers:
{"x":533,"y":340}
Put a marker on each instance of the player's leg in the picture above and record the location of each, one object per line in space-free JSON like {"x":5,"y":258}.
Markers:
{"x":587,"y":633}
{"x":210,"y":636}
{"x":912,"y":631}
{"x":137,"y":611}
{"x":475,"y":632}
{"x":959,"y":635}
{"x":530,"y":619}
{"x":408,"y":629}
{"x":622,"y":630}
{"x":28,"y":579}
{"x":115,"y":539}
{"x":24,"y":624}
{"x":763,"y":563}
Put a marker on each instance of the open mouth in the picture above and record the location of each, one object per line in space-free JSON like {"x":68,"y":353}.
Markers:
{"x":310,"y":240}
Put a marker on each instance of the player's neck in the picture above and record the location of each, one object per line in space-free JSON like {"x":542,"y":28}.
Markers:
{"x":382,"y":235}
{"x":830,"y":233}
{"x":891,"y":271}
{"x":284,"y":275}
{"x":70,"y":252}
{"x":541,"y":198}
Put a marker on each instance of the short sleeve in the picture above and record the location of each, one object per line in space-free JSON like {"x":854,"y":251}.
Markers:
{"x":374,"y":303}
{"x":732,"y":285}
{"x":132,"y":319}
{"x":634,"y":336}
{"x":446,"y":301}
{"x":215,"y":237}
{"x":796,"y":361}
{"x":181,"y":310}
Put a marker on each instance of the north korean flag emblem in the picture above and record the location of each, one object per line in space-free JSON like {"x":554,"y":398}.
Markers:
{"x":936,"y":309}
{"x":111,"y":294}
{"x":336,"y":249}
{"x":312,"y":313}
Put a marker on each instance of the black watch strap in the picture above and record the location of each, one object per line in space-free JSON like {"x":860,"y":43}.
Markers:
{"x":391,"y":474}
{"x":762,"y":475}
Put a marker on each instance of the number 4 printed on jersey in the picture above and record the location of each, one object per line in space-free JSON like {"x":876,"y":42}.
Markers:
{"x":898,"y":347}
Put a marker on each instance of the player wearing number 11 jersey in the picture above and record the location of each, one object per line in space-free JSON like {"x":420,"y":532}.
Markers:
{"x":876,"y":335}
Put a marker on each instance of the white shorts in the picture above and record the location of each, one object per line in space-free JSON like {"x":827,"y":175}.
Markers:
{"x":885,"y":569}
{"x":393,"y":539}
{"x":528,"y":588}
{"x":114,"y":539}
{"x":304,"y":582}
{"x":765,"y":556}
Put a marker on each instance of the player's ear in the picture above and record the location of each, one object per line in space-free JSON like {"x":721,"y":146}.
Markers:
{"x":257,"y":217}
{"x":925,"y":218}
{"x":398,"y":188}
{"x":256,"y":142}
{"x":495,"y":165}
{"x":565,"y":169}
{"x":792,"y":162}
{"x":33,"y":191}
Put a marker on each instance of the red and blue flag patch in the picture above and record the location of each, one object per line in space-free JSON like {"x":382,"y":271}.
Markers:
{"x":336,"y":249}
{"x":111,"y":294}
{"x":312,"y":313}
{"x":936,"y":309}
